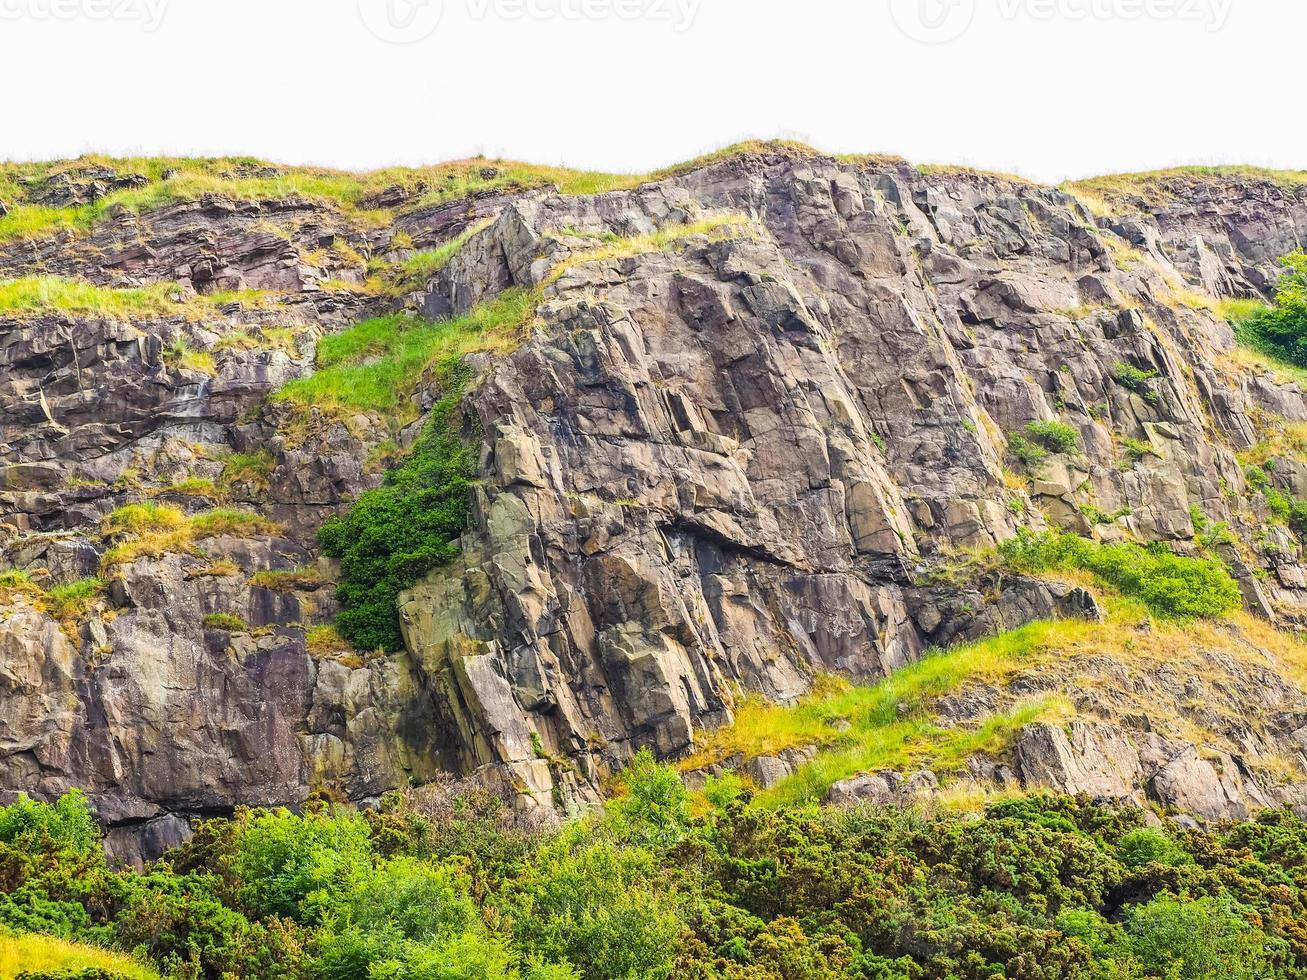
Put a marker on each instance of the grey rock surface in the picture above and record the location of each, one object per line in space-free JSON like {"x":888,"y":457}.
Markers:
{"x":725,"y":466}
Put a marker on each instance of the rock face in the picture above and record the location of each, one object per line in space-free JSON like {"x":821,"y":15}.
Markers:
{"x":718,"y":465}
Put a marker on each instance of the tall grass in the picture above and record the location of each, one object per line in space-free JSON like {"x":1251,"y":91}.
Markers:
{"x":36,"y":295}
{"x":33,"y":953}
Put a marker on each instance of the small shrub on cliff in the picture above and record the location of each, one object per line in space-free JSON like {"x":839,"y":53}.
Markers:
{"x":1136,"y":380}
{"x":1281,"y":329}
{"x":1056,"y":437}
{"x":1170,"y":585}
{"x":402,"y":530}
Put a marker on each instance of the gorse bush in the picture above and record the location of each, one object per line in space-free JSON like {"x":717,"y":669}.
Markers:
{"x":1168,"y":584}
{"x":1040,"y":888}
{"x":403,"y":529}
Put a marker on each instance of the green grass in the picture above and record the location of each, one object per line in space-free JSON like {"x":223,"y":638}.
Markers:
{"x":419,"y":269}
{"x":226,"y":622}
{"x":33,"y":953}
{"x":1170,"y":585}
{"x":32,"y":296}
{"x":197,"y":177}
{"x":253,"y":468}
{"x":888,"y":723}
{"x":377,"y":365}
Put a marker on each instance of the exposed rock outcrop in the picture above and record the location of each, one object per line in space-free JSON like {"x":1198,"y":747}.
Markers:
{"x":725,"y":465}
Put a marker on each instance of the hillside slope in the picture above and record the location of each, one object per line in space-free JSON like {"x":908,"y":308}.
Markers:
{"x":724,"y":429}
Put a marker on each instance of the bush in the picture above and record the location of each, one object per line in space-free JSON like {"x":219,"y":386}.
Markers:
{"x":1030,"y":455}
{"x":1136,"y":380}
{"x":1148,"y":845}
{"x":67,"y":823}
{"x":655,"y":809}
{"x":292,"y":866}
{"x":402,"y":530}
{"x":1204,"y":939}
{"x":1281,"y":329}
{"x":596,"y":905}
{"x":1041,"y":888}
{"x":1056,"y":437}
{"x":1174,"y":586}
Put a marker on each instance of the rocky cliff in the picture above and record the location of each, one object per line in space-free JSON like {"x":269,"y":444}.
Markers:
{"x":759,"y":400}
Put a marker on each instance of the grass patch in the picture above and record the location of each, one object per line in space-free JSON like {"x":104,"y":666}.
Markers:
{"x":417,"y":270}
{"x":887,"y":725}
{"x":325,"y":643}
{"x":35,"y":295}
{"x":254,"y":469}
{"x":32,"y":296}
{"x":299,"y":579}
{"x":33,"y":953}
{"x":226,"y":622}
{"x":237,"y":523}
{"x":151,"y":530}
{"x":1171,"y":586}
{"x":192,"y":486}
{"x":377,"y":365}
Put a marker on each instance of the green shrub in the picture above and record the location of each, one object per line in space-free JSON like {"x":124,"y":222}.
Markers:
{"x":1170,"y":585}
{"x":655,"y":808}
{"x":1056,"y":437}
{"x":1148,"y":845}
{"x":1136,"y":380}
{"x":1030,"y":455}
{"x":293,"y":866}
{"x":66,"y":823}
{"x":1037,"y":887}
{"x":1202,"y":939}
{"x":1281,"y":329}
{"x":400,"y":531}
{"x":591,"y":903}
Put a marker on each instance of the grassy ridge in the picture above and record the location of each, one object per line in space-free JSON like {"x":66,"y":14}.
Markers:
{"x":237,"y":178}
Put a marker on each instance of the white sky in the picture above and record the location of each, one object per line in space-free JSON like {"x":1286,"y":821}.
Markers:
{"x":1047,"y":88}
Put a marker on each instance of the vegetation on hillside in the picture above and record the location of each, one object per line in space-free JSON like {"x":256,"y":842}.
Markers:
{"x":1170,"y":585}
{"x":151,"y":529}
{"x":32,"y":956}
{"x":167,"y":180}
{"x":1278,"y":330}
{"x":409,"y":525}
{"x":661,"y":885}
{"x":396,"y":533}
